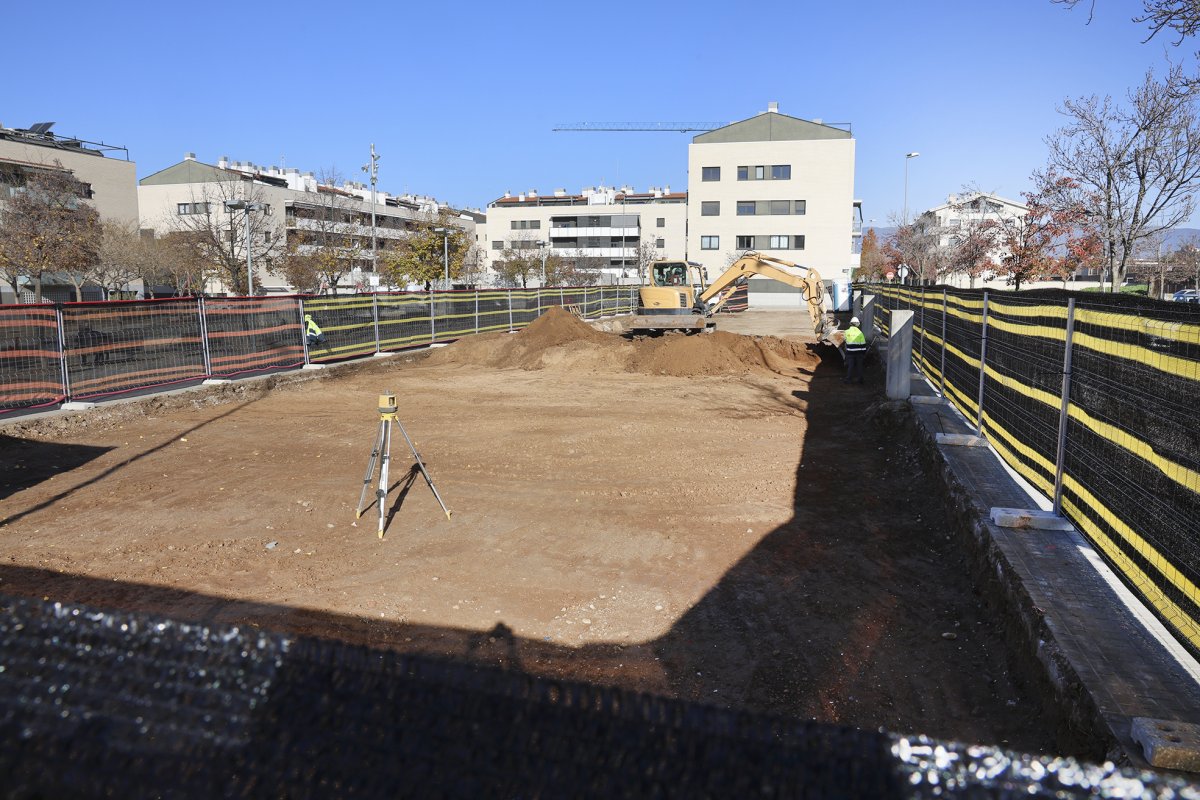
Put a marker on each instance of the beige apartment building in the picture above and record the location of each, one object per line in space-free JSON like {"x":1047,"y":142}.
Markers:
{"x":779,"y":185}
{"x":607,"y":228}
{"x":291,"y":203}
{"x":107,"y":173}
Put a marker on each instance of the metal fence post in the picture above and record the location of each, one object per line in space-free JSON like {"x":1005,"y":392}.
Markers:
{"x":62,"y":352}
{"x":432,"y":326}
{"x":942,"y":368}
{"x":375,"y":319}
{"x":1060,"y":456}
{"x":510,"y":325}
{"x":303,"y":329}
{"x":562,"y":297}
{"x":203,"y":313}
{"x":982,"y":366}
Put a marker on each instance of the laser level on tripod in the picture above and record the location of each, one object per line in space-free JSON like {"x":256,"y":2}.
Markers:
{"x":382,"y":454}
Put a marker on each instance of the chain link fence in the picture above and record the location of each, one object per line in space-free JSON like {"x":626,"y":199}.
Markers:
{"x":1090,"y":398}
{"x":50,"y":354}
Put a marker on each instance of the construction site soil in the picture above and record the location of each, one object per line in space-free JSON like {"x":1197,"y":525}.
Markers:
{"x":711,"y":517}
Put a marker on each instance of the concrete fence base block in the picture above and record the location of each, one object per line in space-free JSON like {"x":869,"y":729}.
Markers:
{"x":926,"y":400}
{"x":962,"y":440}
{"x":216,"y":381}
{"x":442,"y":344}
{"x":1033,"y":519}
{"x":384,"y":355}
{"x":1168,"y":744}
{"x":77,"y":405}
{"x":313,"y":366}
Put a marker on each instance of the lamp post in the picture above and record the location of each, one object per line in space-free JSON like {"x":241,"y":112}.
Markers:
{"x":445,"y":232}
{"x":543,"y":246}
{"x":907,"y":158}
{"x":373,"y":170}
{"x":236,"y":205}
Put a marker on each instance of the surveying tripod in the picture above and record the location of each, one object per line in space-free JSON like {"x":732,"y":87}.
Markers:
{"x":383,"y":445}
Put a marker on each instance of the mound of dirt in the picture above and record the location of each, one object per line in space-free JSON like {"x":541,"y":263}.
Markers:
{"x":560,"y":340}
{"x":556,"y":339}
{"x":719,"y":353}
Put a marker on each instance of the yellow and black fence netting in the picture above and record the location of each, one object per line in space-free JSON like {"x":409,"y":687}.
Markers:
{"x":1092,"y":398}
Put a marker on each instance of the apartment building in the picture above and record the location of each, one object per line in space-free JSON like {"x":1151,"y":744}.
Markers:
{"x":777,"y":184}
{"x":607,"y":228}
{"x":109,"y":178}
{"x":953,"y":220}
{"x":293,"y":205}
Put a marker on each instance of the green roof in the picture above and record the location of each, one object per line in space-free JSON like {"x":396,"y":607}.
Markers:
{"x":771,"y":126}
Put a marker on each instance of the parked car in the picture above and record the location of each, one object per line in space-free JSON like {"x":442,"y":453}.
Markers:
{"x":1186,"y":296}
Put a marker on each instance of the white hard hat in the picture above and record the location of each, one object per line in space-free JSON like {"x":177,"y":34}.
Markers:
{"x":854,"y":320}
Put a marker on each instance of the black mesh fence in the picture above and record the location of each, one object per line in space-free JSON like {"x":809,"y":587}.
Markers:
{"x":405,"y":319}
{"x":1122,"y":458}
{"x":347,"y":322}
{"x":120,"y":346}
{"x":99,"y":704}
{"x":250,"y":334}
{"x":31,"y":368}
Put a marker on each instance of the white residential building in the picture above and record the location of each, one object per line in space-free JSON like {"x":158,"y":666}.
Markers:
{"x":292,"y":200}
{"x":605,"y":225}
{"x":953,"y":220}
{"x":779,"y":185}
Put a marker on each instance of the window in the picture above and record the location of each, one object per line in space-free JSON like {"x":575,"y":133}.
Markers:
{"x":774,"y":172}
{"x":798,"y":242}
{"x":526,"y":224}
{"x":710,"y":173}
{"x":661,"y":223}
{"x":191,"y":208}
{"x":746,"y":208}
{"x":745,"y":243}
{"x":800,"y":206}
{"x":661,"y":244}
{"x":779,"y":242}
{"x":498,"y":244}
{"x":710,"y":242}
{"x":780,"y":207}
{"x":710,"y":208}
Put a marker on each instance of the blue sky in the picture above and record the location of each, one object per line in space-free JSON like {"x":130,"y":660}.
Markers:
{"x":460,"y":99}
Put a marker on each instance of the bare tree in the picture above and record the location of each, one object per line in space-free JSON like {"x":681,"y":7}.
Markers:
{"x":519,"y":261}
{"x":1183,"y":264}
{"x":578,"y":269}
{"x":1180,"y":16}
{"x":48,"y":227}
{"x":174,"y":262}
{"x":125,"y":256}
{"x":217,"y":236}
{"x":1134,"y":169}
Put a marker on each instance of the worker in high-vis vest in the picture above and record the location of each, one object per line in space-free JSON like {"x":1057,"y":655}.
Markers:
{"x":856,"y":352}
{"x":312,"y":331}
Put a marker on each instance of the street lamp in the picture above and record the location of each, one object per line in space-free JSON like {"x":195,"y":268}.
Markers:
{"x":236,"y":205}
{"x":373,"y":170}
{"x":907,"y":157}
{"x":543,"y":246}
{"x":445,"y":232}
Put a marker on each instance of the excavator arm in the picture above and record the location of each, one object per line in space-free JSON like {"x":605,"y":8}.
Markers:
{"x":808,"y":280}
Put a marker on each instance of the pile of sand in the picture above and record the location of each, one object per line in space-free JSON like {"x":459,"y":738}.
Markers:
{"x":560,"y":340}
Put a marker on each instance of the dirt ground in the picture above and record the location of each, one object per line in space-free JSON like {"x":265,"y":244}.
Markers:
{"x":713,"y":517}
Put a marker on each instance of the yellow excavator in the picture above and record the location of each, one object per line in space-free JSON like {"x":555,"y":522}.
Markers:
{"x":674,"y":295}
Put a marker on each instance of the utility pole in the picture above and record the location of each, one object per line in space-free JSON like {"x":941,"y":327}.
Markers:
{"x":372,"y":169}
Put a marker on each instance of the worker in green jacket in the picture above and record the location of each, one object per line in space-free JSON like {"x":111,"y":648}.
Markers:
{"x":312,"y":331}
{"x":856,"y":352}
